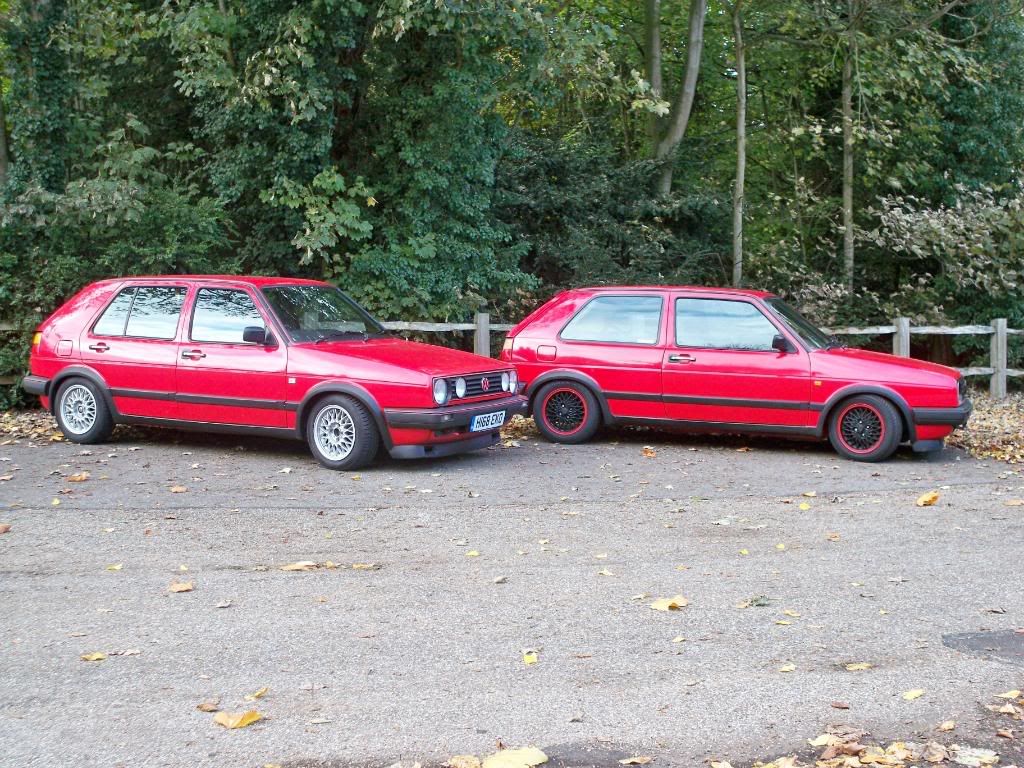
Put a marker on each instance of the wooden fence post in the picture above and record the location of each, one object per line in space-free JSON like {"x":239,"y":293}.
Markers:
{"x":997,"y":384}
{"x":901,"y":337}
{"x":482,"y":334}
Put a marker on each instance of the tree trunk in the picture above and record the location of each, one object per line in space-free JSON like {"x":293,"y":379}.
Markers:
{"x":847,"y":108}
{"x":680,"y":115}
{"x":741,"y":145}
{"x":652,"y":62}
{"x":4,"y":156}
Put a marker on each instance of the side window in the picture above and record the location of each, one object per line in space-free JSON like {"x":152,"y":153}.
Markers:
{"x":617,"y":319}
{"x":222,"y":314}
{"x":113,"y":319}
{"x":717,"y":324}
{"x":155,"y":312}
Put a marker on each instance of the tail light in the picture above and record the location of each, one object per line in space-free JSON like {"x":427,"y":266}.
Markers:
{"x":37,"y":337}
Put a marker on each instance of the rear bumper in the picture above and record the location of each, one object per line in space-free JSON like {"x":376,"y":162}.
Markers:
{"x":948,"y":417}
{"x":436,"y":450}
{"x":453,"y":417}
{"x":35,"y":385}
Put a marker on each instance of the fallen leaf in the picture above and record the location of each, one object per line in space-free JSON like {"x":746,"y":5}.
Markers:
{"x":974,"y":758}
{"x":720,"y":764}
{"x":637,"y":760}
{"x":788,"y":668}
{"x":858,"y":666}
{"x":839,"y":705}
{"x":810,"y":494}
{"x":1004,"y":733}
{"x":670,"y":603}
{"x":946,"y":726}
{"x":209,"y":706}
{"x":5,"y":527}
{"x":934,"y":753}
{"x":825,"y":740}
{"x":744,"y":552}
{"x":1014,"y":694}
{"x":239,"y":720}
{"x":832,"y":536}
{"x":1014,"y":503}
{"x":914,"y":693}
{"x":95,"y":656}
{"x":302,"y":565}
{"x":605,"y":572}
{"x":527,"y":757}
{"x":679,"y":639}
{"x":804,"y":506}
{"x":791,"y":612}
{"x":463,"y":761}
{"x":78,"y":477}
{"x":529,"y":658}
{"x":783,"y":623}
{"x":181,"y":586}
{"x":501,"y":579}
{"x":365,"y":566}
{"x":648,"y":452}
{"x":55,"y":503}
{"x":927,"y":499}
{"x":472,"y":553}
{"x":178,"y":489}
{"x":780,"y":547}
{"x":115,"y":567}
{"x":257,"y":694}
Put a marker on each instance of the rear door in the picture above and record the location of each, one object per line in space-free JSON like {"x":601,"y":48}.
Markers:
{"x":133,"y":346}
{"x":720,"y":367}
{"x":221,"y":378}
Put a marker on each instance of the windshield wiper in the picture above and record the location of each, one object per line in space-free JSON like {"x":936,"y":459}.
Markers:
{"x":835,"y":343}
{"x":337,"y":335}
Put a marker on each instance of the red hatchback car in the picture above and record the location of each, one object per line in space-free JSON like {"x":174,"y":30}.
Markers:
{"x":722,"y":360}
{"x":276,"y":356}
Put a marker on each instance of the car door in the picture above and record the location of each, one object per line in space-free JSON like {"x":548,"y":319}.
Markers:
{"x":721,"y":367}
{"x":133,"y":346}
{"x":616,"y":339}
{"x":221,"y":378}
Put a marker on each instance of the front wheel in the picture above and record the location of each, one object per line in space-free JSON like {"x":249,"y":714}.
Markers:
{"x":82,"y":413}
{"x":566,"y":412}
{"x":341,"y":433}
{"x":865,"y":428}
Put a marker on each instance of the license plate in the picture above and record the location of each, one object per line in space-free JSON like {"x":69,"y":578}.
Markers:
{"x":487,"y":421}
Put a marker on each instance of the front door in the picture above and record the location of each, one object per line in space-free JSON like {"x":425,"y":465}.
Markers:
{"x":133,"y":346}
{"x":722,"y":369}
{"x":221,"y":378}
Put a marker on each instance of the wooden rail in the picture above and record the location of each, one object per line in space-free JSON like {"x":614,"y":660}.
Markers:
{"x":901,"y":331}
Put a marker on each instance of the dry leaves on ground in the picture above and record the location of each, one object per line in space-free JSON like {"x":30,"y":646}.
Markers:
{"x":181,"y":586}
{"x":670,"y":603}
{"x":927,"y":499}
{"x":5,"y":527}
{"x":237,"y":720}
{"x":95,"y":656}
{"x":995,"y":429}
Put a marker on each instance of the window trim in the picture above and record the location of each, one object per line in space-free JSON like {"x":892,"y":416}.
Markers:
{"x":195,"y":303}
{"x":124,"y":328}
{"x":675,"y":324}
{"x":592,"y":299}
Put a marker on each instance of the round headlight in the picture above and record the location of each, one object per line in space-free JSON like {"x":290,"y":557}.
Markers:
{"x":504,"y":382}
{"x":440,"y":391}
{"x":513,"y":381}
{"x":460,"y":387}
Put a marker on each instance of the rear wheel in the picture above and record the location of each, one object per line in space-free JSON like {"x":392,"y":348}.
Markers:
{"x":566,"y":412}
{"x":341,"y":433}
{"x":81,"y":412}
{"x":865,"y":428}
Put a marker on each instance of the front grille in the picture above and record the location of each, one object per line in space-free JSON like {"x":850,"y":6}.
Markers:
{"x":475,"y":388}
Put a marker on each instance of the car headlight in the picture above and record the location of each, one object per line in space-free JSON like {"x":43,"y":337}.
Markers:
{"x":504,"y":382}
{"x":440,"y":391}
{"x":513,"y":381}
{"x":460,"y":387}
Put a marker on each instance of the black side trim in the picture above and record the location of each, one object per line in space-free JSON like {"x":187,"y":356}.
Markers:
{"x":954,"y":417}
{"x":737,"y":402}
{"x":238,"y":402}
{"x":445,"y":449}
{"x":142,"y":394}
{"x":35,"y":385}
{"x":632,"y":396}
{"x":726,"y":427}
{"x":204,"y":426}
{"x":453,"y":416}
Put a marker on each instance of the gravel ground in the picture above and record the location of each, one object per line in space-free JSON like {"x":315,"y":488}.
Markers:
{"x":475,"y":560}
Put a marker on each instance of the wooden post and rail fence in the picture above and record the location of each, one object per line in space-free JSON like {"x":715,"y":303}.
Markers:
{"x":901,"y":331}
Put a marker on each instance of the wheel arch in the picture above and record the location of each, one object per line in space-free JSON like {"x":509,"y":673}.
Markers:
{"x":839,"y":396}
{"x":356,"y":392}
{"x":573,"y":376}
{"x":81,"y":372}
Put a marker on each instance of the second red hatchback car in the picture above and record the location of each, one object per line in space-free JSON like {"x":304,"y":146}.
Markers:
{"x":722,"y":360}
{"x":276,"y":356}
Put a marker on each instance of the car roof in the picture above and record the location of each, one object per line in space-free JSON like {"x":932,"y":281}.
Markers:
{"x":694,"y":288}
{"x":258,"y":281}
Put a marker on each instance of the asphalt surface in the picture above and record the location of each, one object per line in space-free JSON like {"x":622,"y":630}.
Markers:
{"x":422,"y":657}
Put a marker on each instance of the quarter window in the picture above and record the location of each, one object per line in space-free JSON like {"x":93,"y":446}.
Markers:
{"x":114,"y":318}
{"x":717,"y":324}
{"x":221,"y":315}
{"x":618,"y":320}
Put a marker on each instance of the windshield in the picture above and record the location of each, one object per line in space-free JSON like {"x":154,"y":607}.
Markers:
{"x":320,"y":313}
{"x":800,"y":325}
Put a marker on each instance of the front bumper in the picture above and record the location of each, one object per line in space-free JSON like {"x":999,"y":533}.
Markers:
{"x":35,"y":385}
{"x":437,"y":450}
{"x":453,"y":417}
{"x":949,"y":417}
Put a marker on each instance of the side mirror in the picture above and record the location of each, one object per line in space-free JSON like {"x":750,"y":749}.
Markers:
{"x":781,"y":344}
{"x":255,"y":334}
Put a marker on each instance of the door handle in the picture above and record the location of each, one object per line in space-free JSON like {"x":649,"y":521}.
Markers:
{"x":100,"y":347}
{"x":681,"y":359}
{"x":193,"y":354}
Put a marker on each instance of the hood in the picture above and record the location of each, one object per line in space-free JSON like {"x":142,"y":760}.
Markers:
{"x":862,"y":365}
{"x":398,"y":356}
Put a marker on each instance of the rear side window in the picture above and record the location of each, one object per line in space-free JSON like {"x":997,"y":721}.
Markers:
{"x":222,"y":315}
{"x":113,"y":319}
{"x":617,"y":320}
{"x":717,"y":324}
{"x":155,"y":312}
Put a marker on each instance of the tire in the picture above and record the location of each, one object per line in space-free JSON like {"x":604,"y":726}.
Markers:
{"x":566,"y":412}
{"x":341,"y":433}
{"x":865,"y":428}
{"x":81,"y":412}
